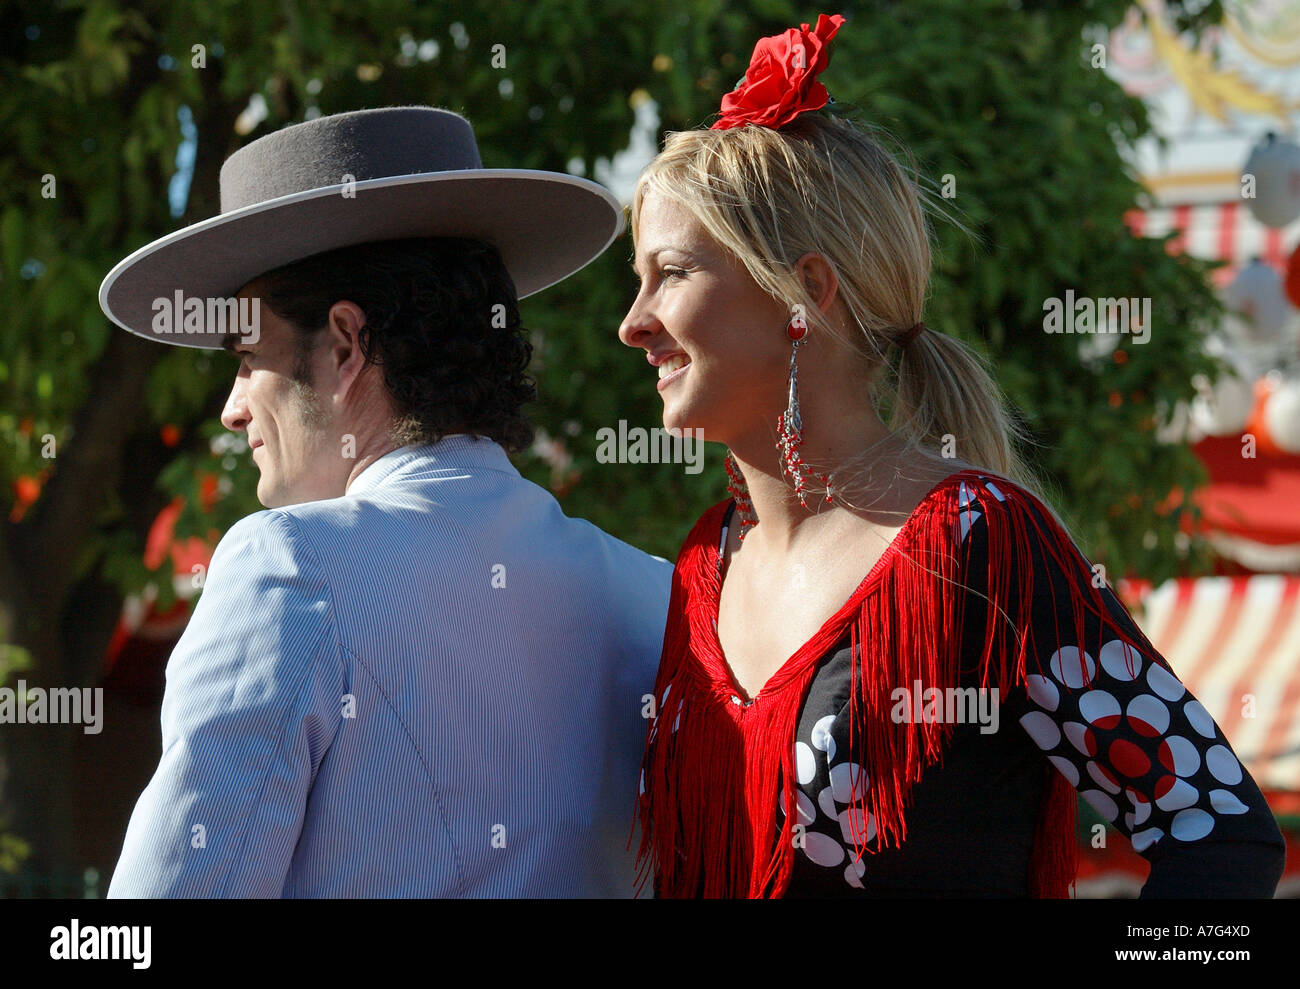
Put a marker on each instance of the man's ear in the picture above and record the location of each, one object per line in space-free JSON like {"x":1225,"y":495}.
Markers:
{"x":343,"y":330}
{"x":819,"y":279}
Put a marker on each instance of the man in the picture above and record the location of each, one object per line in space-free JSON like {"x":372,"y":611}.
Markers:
{"x":412,"y":675}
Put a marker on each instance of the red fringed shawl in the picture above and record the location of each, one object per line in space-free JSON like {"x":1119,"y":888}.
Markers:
{"x":715,"y":768}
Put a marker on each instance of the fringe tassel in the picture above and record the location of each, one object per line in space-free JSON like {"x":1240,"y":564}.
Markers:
{"x":713,"y":764}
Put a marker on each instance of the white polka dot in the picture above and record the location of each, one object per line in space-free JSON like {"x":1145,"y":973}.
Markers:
{"x":643,"y":781}
{"x":822,"y":849}
{"x":805,"y":763}
{"x":857,"y":825}
{"x":1101,"y":803}
{"x":1042,"y":691}
{"x":1186,"y":759}
{"x":1145,"y":839}
{"x":995,"y":492}
{"x":1223,"y":764}
{"x":1150,"y":710}
{"x":847,"y":781}
{"x":1069,"y":669}
{"x":1190,"y":825}
{"x":1042,"y":730}
{"x":677,"y":721}
{"x":1199,"y":718}
{"x":1097,"y":704}
{"x":967,"y":520}
{"x":1141,"y":809}
{"x":821,"y":732}
{"x":826,"y":801}
{"x":807,"y":813}
{"x":963,"y":495}
{"x":1181,"y":794}
{"x":1115,"y":657}
{"x":1225,"y":803}
{"x":1078,"y":735}
{"x":1165,"y":683}
{"x":1099,"y":777}
{"x":663,"y":701}
{"x":1066,"y":768}
{"x":851,"y":875}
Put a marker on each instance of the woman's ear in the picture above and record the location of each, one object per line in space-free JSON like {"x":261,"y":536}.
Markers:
{"x":819,"y":279}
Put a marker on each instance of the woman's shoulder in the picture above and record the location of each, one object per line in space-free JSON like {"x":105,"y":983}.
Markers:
{"x":707,"y":528}
{"x":974,"y":491}
{"x":712,"y":519}
{"x":990,"y":520}
{"x":968,"y":493}
{"x":968,"y":483}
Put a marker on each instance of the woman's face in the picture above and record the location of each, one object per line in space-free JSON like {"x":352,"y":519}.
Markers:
{"x":715,"y":337}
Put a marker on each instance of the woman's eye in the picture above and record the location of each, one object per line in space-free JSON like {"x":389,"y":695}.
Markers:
{"x":674,"y":272}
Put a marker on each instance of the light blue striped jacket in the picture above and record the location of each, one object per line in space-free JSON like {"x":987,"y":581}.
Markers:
{"x":431,"y":686}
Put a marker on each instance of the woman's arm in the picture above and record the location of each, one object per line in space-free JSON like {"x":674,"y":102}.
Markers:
{"x":1129,"y":736}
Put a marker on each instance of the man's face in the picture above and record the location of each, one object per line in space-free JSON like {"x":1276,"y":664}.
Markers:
{"x":286,"y":421}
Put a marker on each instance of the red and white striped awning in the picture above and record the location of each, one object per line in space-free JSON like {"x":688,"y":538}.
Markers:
{"x":1235,"y":643}
{"x":1217,"y":232}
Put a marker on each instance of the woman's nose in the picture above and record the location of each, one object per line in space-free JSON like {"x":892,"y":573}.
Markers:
{"x":638,"y":325}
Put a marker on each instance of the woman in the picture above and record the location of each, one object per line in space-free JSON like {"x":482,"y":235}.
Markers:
{"x":922,"y":731}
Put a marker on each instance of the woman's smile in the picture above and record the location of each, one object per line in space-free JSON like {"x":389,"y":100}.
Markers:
{"x":672,"y":369}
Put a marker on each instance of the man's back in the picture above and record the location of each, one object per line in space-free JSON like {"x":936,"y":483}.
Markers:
{"x":429,"y":687}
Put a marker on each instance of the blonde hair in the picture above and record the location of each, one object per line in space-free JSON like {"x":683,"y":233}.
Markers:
{"x":823,"y":185}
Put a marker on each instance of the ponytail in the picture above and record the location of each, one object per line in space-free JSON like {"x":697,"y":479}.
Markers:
{"x":946,"y":399}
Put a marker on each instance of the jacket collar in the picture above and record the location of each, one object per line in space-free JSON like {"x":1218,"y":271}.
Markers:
{"x":459,"y":451}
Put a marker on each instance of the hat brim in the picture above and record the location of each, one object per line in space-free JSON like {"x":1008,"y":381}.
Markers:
{"x":546,"y":226}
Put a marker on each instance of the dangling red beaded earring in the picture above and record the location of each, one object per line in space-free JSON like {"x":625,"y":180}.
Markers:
{"x":740,"y":492}
{"x":789,"y":428}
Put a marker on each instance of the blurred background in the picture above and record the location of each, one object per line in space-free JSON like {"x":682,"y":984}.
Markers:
{"x":1097,"y":147}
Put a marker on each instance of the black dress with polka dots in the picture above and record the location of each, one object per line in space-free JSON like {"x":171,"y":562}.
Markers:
{"x":1131,"y":739}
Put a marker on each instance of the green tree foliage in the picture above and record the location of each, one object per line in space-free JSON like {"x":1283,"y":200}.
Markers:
{"x":95,"y":94}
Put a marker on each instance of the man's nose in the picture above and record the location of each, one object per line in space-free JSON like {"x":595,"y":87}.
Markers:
{"x":235,"y":415}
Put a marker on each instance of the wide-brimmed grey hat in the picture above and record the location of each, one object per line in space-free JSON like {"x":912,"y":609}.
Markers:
{"x":354,"y":178}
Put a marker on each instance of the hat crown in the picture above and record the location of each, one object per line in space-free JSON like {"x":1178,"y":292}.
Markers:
{"x":330,"y":151}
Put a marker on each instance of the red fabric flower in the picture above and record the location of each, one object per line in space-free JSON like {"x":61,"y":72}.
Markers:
{"x":781,"y":81}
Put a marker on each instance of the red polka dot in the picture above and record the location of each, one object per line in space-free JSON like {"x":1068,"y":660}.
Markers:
{"x":1164,"y":785}
{"x":1141,"y":727}
{"x":1128,"y":758}
{"x":1109,"y":721}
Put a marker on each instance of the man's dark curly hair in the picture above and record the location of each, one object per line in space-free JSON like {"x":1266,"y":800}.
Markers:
{"x":442,"y":321}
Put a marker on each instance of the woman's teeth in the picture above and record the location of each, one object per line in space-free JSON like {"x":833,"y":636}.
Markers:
{"x":673,"y":364}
